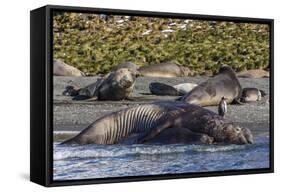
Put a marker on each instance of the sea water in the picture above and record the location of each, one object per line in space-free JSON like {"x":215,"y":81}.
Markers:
{"x":105,"y":161}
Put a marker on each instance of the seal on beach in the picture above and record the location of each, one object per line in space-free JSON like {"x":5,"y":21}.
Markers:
{"x":224,"y":84}
{"x":144,"y":123}
{"x":129,"y":65}
{"x":253,"y":73}
{"x":117,"y":85}
{"x":157,"y":88}
{"x":165,"y":70}
{"x":62,"y":69}
{"x":252,"y":94}
{"x":163,"y":89}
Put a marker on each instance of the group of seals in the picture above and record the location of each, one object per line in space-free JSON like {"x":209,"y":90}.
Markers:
{"x":157,"y":122}
{"x":183,"y":121}
{"x":224,"y":85}
{"x":62,"y":69}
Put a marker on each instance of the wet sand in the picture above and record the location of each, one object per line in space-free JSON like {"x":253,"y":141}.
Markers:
{"x":72,"y":115}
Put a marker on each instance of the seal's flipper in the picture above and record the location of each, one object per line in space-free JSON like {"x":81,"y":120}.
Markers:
{"x":262,"y":93}
{"x":132,"y":139}
{"x":80,"y":97}
{"x":71,"y":90}
{"x":165,"y":122}
{"x":175,"y":135}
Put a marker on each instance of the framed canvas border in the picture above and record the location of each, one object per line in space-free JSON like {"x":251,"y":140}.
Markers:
{"x":41,"y":81}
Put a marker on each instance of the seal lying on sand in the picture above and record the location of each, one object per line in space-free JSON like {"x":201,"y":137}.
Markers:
{"x":252,"y":94}
{"x":253,"y":73}
{"x":165,"y":70}
{"x":117,"y":85}
{"x":210,"y":92}
{"x":62,"y":69}
{"x":129,"y":65}
{"x":176,"y":90}
{"x":145,"y":123}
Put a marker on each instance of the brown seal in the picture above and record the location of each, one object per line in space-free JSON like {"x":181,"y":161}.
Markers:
{"x":62,"y":69}
{"x":253,"y":73}
{"x":165,"y":70}
{"x":252,"y":94}
{"x":117,"y":85}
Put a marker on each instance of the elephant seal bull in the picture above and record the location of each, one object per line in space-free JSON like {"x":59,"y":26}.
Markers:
{"x":117,"y":85}
{"x":145,"y":123}
{"x":224,"y":84}
{"x":165,"y":70}
{"x":62,"y":69}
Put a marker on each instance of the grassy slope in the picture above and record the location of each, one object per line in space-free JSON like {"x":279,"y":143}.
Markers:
{"x":94,"y":46}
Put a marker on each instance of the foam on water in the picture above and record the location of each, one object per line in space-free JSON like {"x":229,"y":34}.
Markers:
{"x":98,"y":161}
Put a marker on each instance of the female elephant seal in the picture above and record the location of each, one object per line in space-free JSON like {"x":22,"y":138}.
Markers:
{"x":157,"y":88}
{"x":253,"y":73}
{"x":165,"y":70}
{"x":117,"y":85}
{"x":225,"y":84}
{"x":145,"y":123}
{"x":252,"y":94}
{"x":62,"y":69}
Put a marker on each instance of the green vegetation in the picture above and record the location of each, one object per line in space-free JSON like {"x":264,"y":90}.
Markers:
{"x":95,"y":46}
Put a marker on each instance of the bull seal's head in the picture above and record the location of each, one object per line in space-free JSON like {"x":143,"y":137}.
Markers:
{"x":237,"y":135}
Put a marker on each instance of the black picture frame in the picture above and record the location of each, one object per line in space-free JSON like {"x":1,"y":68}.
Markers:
{"x":41,"y":81}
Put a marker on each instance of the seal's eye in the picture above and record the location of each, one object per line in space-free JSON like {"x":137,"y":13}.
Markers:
{"x":238,"y":129}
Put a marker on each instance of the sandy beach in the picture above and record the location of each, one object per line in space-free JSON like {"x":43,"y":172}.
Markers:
{"x":72,"y":115}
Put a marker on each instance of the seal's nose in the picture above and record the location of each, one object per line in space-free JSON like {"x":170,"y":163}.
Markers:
{"x":250,"y":140}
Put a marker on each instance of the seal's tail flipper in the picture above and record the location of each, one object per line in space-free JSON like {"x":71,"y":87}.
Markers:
{"x":71,"y":90}
{"x":262,"y":93}
{"x":68,"y":141}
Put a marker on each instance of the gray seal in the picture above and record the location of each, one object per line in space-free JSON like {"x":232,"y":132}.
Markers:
{"x":166,"y":69}
{"x":157,"y":88}
{"x":224,"y":84}
{"x":62,"y":69}
{"x":252,"y":94}
{"x":145,"y":123}
{"x":117,"y":85}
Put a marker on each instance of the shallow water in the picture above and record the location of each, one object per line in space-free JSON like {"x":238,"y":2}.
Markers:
{"x":103,"y":161}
